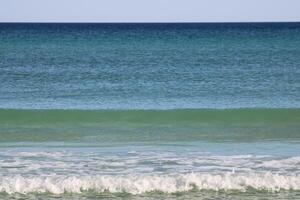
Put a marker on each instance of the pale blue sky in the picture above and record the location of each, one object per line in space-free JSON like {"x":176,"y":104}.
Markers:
{"x":149,"y":10}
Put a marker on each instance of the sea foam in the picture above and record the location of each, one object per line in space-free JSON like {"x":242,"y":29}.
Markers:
{"x":137,"y":184}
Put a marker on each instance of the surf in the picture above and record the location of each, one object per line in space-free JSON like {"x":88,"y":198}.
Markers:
{"x":138,"y":184}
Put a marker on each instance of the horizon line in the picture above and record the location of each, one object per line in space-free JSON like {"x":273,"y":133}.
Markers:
{"x":140,"y":22}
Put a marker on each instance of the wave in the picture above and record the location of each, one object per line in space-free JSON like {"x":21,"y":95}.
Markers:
{"x":138,"y":184}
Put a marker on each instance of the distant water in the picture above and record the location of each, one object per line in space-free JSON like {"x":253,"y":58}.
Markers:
{"x":153,"y":111}
{"x":149,"y":66}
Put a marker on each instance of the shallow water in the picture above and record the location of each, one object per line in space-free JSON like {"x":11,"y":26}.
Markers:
{"x":240,"y":153}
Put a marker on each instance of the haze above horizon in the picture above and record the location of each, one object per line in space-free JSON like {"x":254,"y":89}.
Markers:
{"x":150,"y":11}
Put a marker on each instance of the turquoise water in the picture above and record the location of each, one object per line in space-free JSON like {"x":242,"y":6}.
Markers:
{"x":149,"y":66}
{"x":152,"y":111}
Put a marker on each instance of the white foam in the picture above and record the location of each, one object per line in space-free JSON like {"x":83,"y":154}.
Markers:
{"x":287,"y":163}
{"x":137,"y":184}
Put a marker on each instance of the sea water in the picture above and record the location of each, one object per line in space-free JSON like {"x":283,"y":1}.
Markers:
{"x":153,"y":111}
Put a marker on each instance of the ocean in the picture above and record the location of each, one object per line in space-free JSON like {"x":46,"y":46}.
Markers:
{"x":150,"y":111}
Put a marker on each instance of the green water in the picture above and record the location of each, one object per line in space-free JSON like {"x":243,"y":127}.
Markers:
{"x":143,"y":126}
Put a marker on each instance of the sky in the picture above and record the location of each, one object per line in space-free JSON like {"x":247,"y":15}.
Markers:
{"x":149,"y":10}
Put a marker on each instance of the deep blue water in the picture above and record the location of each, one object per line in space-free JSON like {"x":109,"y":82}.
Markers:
{"x":150,"y":66}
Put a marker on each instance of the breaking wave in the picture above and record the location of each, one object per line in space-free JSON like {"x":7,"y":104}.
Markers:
{"x":138,"y":184}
